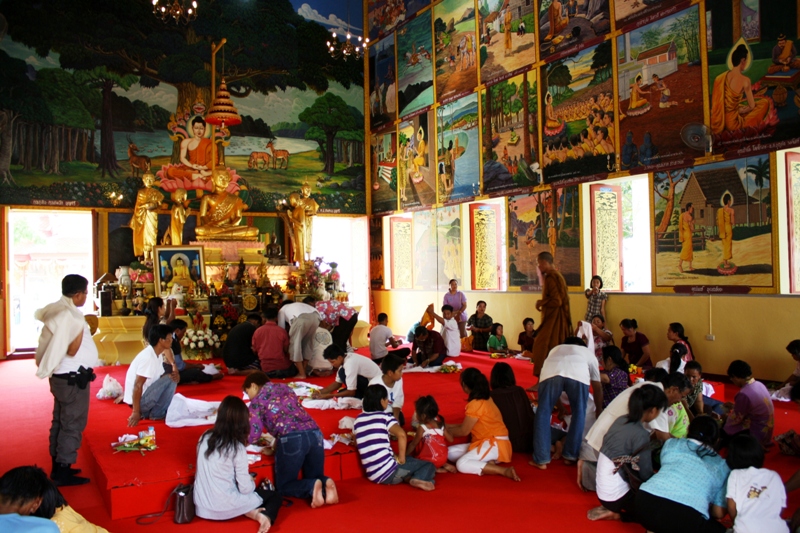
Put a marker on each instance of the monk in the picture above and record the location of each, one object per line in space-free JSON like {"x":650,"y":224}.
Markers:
{"x":733,"y":104}
{"x":555,"y":325}
{"x":195,"y":155}
{"x":784,"y":56}
{"x":557,"y":22}
{"x":507,"y":32}
{"x":685,"y":230}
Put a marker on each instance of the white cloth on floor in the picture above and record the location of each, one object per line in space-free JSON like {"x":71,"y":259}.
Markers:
{"x":347,"y":402}
{"x":302,"y":388}
{"x":347,"y":422}
{"x":782,"y":395}
{"x":430,"y":369}
{"x":210,"y":369}
{"x":185,"y":412}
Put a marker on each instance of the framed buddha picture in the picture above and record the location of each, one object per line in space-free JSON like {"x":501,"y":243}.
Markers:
{"x":181,"y":265}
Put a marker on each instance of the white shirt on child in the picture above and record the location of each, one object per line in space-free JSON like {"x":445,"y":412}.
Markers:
{"x":760,"y":496}
{"x":452,"y":337}
{"x":357,"y":365}
{"x":395,"y":392}
{"x":377,"y":341}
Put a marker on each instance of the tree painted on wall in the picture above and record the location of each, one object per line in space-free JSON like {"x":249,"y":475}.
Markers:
{"x":331,"y":115}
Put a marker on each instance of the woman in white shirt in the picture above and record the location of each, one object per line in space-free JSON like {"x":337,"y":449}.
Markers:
{"x":223,"y":488}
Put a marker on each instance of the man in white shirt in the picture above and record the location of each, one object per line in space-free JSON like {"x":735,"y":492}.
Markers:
{"x":392,"y":380}
{"x":353,"y":370}
{"x":148,"y":389}
{"x":570,"y":367}
{"x":381,"y":337}
{"x":66,"y":355}
{"x":301,"y":320}
{"x":450,"y":331}
{"x":288,"y":312}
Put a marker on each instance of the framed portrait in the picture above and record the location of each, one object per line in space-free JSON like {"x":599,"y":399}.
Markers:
{"x":184,"y":265}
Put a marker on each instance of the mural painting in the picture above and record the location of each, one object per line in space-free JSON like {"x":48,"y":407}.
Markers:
{"x":376,"y":266}
{"x":753,"y":76}
{"x":510,"y":130}
{"x":385,"y":169}
{"x":506,"y":31}
{"x":402,"y":253}
{"x":415,"y":66}
{"x":713,"y":224}
{"x":416,"y":176}
{"x":94,"y":119}
{"x":578,"y":139}
{"x":456,"y":49}
{"x":458,"y":158}
{"x":660,"y":82}
{"x":384,"y":16}
{"x":382,"y":84}
{"x":450,"y":259}
{"x":566,"y":26}
{"x":426,"y":252}
{"x":632,"y":14}
{"x":538,"y":223}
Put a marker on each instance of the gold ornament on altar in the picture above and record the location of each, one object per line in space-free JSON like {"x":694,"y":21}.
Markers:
{"x":221,"y":212}
{"x":223,"y":113}
{"x":298,"y":215}
{"x":144,"y":221}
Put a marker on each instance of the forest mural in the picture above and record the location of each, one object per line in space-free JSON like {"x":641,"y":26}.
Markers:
{"x":93,"y":92}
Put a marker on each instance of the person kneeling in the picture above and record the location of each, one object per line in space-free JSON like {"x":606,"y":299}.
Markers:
{"x":372,"y":429}
{"x":223,"y":488}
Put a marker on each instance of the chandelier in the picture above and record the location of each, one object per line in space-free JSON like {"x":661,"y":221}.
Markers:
{"x":346,"y":49}
{"x":176,"y":10}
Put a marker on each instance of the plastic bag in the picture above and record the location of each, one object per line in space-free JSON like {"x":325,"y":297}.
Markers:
{"x":111,"y":389}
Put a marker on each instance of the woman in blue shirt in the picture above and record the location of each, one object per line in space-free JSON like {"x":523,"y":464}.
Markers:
{"x":688,"y":494}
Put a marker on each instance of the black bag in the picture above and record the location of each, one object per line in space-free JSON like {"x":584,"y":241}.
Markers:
{"x":184,"y":507}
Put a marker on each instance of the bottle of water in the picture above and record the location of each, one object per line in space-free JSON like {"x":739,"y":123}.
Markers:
{"x":152,"y":432}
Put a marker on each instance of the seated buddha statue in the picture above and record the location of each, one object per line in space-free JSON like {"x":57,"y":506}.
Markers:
{"x":221,"y":212}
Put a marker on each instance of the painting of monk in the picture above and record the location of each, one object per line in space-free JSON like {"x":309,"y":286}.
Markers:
{"x":753,"y":76}
{"x":386,"y":171}
{"x":713,"y":225}
{"x":570,"y":25}
{"x":507,"y":41}
{"x":416,"y":176}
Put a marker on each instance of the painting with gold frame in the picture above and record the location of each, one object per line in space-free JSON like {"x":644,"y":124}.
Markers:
{"x":793,"y":210}
{"x":713,"y":227}
{"x":384,"y":170}
{"x":456,"y":66}
{"x":507,"y":38}
{"x":415,"y":66}
{"x":458,"y":150}
{"x":449,"y":261}
{"x":416,"y":167}
{"x":569,"y":25}
{"x":184,"y":265}
{"x":426,"y":250}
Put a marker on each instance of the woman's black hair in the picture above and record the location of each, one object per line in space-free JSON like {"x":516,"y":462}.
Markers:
{"x":739,"y":369}
{"x":495,"y":326}
{"x":615,"y":354}
{"x":231,"y":428}
{"x":677,"y":329}
{"x":745,"y":451}
{"x":643,"y":399}
{"x":529,"y":319}
{"x":676,"y":354}
{"x":502,"y":376}
{"x":601,"y":317}
{"x":427,"y":406}
{"x":52,"y":501}
{"x":655,"y":375}
{"x":794,"y":347}
{"x":373,"y":397}
{"x":629,"y":323}
{"x":704,"y":429}
{"x":151,"y":315}
{"x":474,"y":380}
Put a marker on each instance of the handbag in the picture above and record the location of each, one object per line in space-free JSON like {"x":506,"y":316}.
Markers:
{"x":184,"y":507}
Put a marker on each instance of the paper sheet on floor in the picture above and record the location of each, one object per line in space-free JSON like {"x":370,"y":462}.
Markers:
{"x":333,"y":403}
{"x":184,"y":412}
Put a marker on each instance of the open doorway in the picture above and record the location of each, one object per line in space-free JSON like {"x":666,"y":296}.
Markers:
{"x":44,"y":246}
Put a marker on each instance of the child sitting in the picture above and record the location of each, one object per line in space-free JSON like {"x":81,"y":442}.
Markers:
{"x":752,"y":410}
{"x":353,"y":371}
{"x":497,"y":342}
{"x":392,"y":378}
{"x":614,"y":376}
{"x":430,"y":442}
{"x":755,"y":495}
{"x":381,"y":338}
{"x":372,"y":429}
{"x":449,"y":332}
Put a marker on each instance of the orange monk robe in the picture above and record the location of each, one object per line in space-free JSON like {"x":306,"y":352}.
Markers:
{"x":725,"y":103}
{"x":556,"y":323}
{"x":685,"y":235}
{"x":725,"y":229}
{"x":199,"y":156}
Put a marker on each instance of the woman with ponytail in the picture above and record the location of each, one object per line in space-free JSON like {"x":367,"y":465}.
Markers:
{"x":688,"y":494}
{"x":626,"y":442}
{"x":676,"y":362}
{"x":676,"y":334}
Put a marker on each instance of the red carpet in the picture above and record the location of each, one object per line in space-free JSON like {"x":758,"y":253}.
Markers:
{"x":544,"y":499}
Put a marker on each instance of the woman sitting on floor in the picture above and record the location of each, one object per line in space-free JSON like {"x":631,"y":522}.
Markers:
{"x":676,"y":362}
{"x":688,"y":494}
{"x":676,"y":334}
{"x":497,"y":342}
{"x":515,"y":407}
{"x":602,"y":337}
{"x":54,"y":507}
{"x":614,"y":376}
{"x":635,"y":346}
{"x":483,"y":422}
{"x":223,"y":488}
{"x":626,"y":442}
{"x":527,"y":336}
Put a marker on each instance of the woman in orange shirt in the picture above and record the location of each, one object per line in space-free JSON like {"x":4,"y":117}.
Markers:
{"x":483,"y":422}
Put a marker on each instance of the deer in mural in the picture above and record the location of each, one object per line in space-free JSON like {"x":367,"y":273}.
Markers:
{"x":139,"y":163}
{"x":256,"y":158}
{"x":278,"y":155}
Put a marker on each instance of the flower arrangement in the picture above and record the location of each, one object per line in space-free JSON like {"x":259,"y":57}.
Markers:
{"x":229,"y":312}
{"x":199,"y":343}
{"x":141,"y":272}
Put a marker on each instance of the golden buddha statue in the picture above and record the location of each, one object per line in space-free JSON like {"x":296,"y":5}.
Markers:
{"x":298,"y":216}
{"x":144,"y":221}
{"x":221,"y":212}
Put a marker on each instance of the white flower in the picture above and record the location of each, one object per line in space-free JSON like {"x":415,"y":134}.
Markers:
{"x":194,"y":338}
{"x":192,"y":346}
{"x":189,"y":332}
{"x":216,"y":345}
{"x":186,"y":341}
{"x":215,"y":338}
{"x":201,"y":344}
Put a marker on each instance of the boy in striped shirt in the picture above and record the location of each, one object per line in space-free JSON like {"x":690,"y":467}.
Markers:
{"x":372,"y":429}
